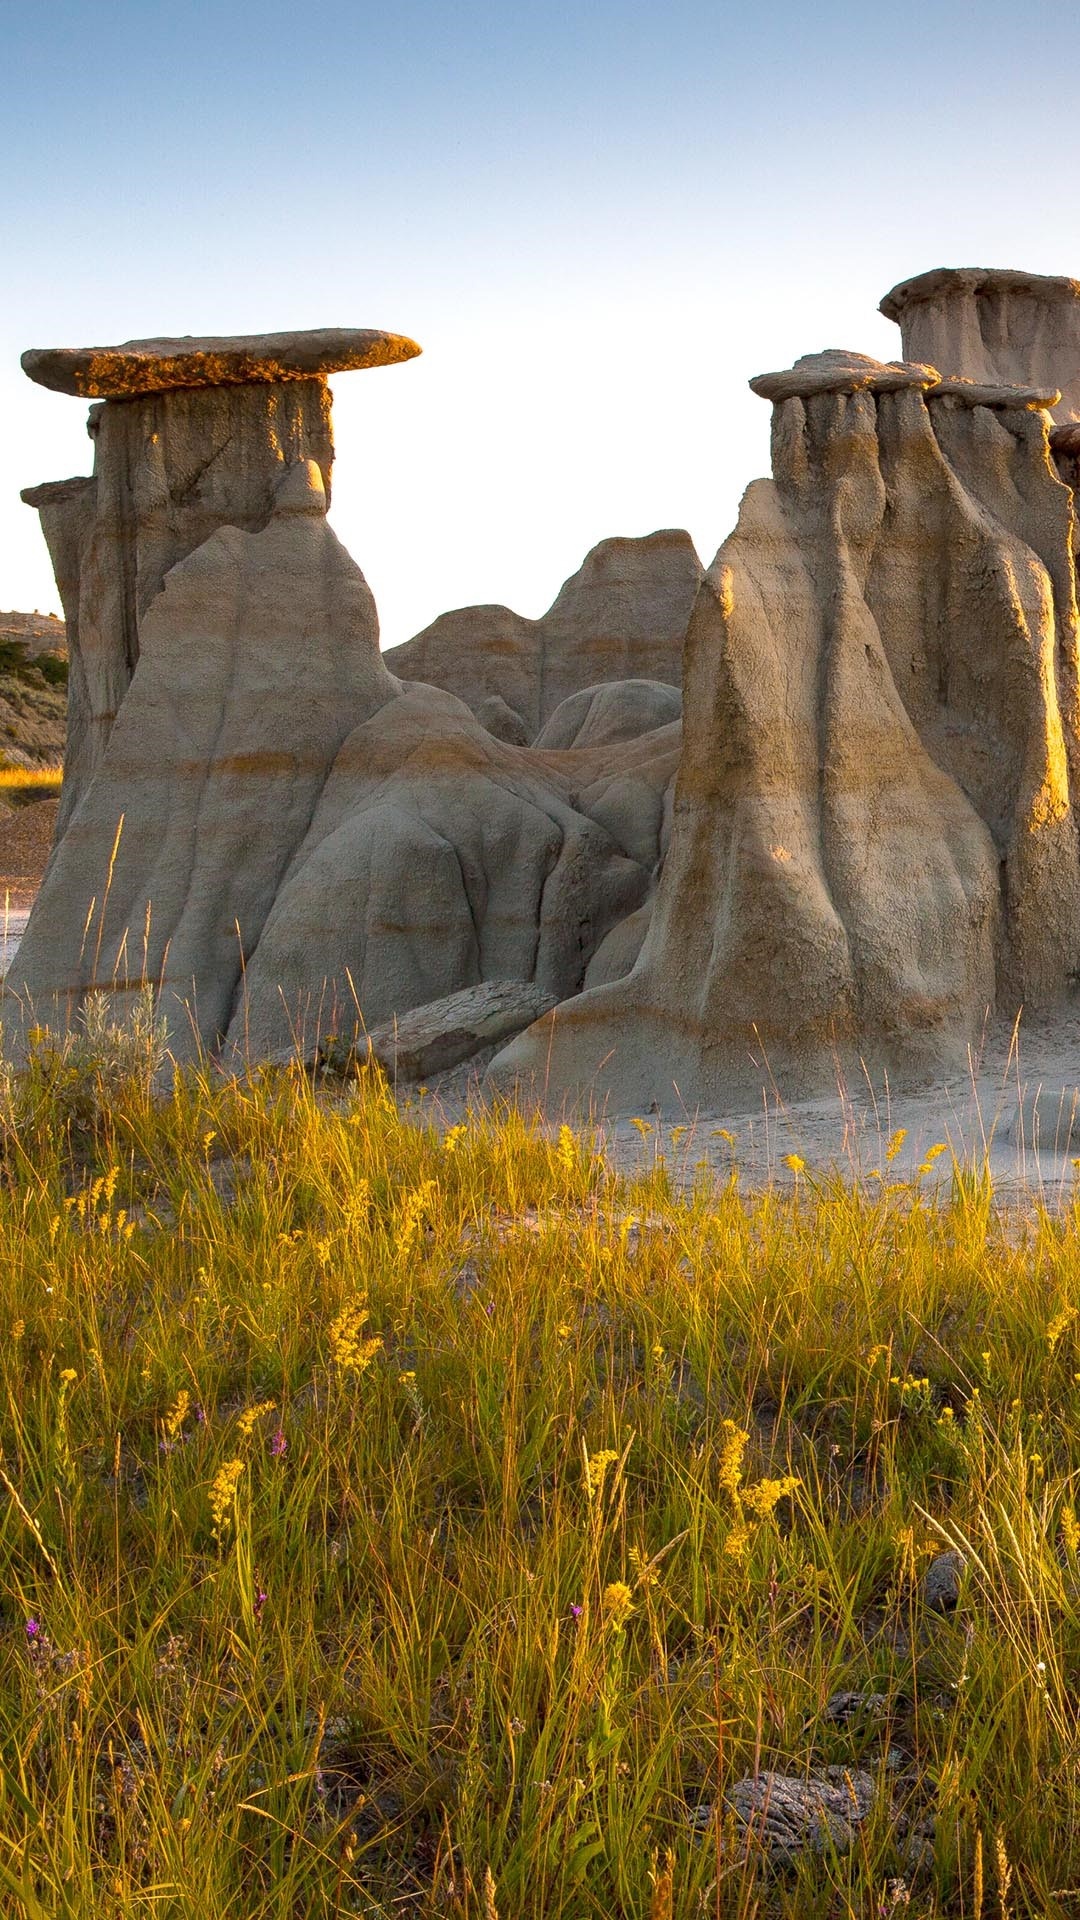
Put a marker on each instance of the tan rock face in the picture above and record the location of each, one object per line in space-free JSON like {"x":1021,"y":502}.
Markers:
{"x":257,"y":659}
{"x":157,"y":366}
{"x":995,"y":325}
{"x":622,"y":616}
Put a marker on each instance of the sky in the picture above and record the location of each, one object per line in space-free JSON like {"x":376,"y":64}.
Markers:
{"x":598,"y":221}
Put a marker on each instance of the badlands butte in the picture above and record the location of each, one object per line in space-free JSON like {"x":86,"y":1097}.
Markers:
{"x":813,"y":809}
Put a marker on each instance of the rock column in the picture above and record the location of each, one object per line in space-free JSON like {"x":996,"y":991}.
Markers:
{"x":189,"y":436}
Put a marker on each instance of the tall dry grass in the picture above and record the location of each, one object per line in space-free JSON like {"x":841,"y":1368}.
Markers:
{"x":22,"y":782}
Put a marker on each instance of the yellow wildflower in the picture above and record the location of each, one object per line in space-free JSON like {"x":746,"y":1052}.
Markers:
{"x":246,"y":1420}
{"x":1058,"y":1325}
{"x":617,"y":1603}
{"x":349,"y":1351}
{"x":1070,"y":1529}
{"x":763,"y":1498}
{"x":222,"y":1497}
{"x":736,"y":1543}
{"x":795,"y":1161}
{"x":416,"y":1206}
{"x":596,"y":1466}
{"x":895,"y":1144}
{"x":177,"y":1414}
{"x":566,"y":1152}
{"x":731,"y":1458}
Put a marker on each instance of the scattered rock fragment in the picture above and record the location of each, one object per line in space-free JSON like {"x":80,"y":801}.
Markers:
{"x":850,"y":1708}
{"x":941,"y":1583}
{"x":440,"y":1035}
{"x":789,"y":1816}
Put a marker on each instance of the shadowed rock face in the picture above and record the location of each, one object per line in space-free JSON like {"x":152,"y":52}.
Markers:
{"x":170,"y":469}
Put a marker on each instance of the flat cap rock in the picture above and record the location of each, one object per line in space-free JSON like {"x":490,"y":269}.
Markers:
{"x":944,"y":281}
{"x":154,"y":366}
{"x":840,"y":370}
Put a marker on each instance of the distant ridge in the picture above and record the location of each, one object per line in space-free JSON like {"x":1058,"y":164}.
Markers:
{"x":33,"y":689}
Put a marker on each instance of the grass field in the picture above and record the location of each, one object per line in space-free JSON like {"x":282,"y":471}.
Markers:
{"x":401,"y":1521}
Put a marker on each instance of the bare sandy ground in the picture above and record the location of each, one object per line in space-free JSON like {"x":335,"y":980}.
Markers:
{"x":1015,"y":1112}
{"x":12,"y":922}
{"x":26,"y":834}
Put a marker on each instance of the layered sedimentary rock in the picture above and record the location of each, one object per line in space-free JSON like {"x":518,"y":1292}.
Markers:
{"x":874,"y":842}
{"x":622,"y":616}
{"x":192,"y":435}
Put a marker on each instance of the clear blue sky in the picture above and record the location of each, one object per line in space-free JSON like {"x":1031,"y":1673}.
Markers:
{"x":598,"y":221}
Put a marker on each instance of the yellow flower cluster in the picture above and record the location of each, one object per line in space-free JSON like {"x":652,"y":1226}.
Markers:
{"x":1058,"y":1325}
{"x":566,"y":1153}
{"x":222,"y":1497}
{"x":596,"y":1466}
{"x":414,"y":1207}
{"x":731,"y":1458}
{"x":349,"y":1350}
{"x":750,"y":1503}
{"x":177,"y":1414}
{"x":763,"y":1498}
{"x":246,"y":1420}
{"x":617,"y":1604}
{"x":1070,"y":1529}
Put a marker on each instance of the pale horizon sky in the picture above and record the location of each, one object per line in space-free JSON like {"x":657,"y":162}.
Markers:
{"x":597,"y":225}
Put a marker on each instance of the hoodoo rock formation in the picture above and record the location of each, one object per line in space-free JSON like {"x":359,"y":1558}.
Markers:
{"x":862,"y":844}
{"x":875,"y":842}
{"x":262,"y":819}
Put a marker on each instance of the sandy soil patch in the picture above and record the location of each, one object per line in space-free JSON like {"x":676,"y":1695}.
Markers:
{"x":26,"y":835}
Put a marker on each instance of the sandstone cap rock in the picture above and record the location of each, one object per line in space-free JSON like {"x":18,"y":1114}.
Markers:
{"x":841,"y":370}
{"x":975,"y":280}
{"x":154,"y":366}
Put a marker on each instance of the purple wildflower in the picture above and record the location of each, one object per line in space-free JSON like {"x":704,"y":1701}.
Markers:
{"x":575,"y":1610}
{"x":278,"y":1444}
{"x":260,"y":1602}
{"x":33,"y":1630}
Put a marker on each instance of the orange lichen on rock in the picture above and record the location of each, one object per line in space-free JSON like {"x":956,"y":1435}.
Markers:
{"x":155,"y":366}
